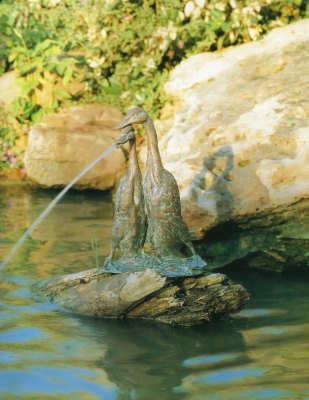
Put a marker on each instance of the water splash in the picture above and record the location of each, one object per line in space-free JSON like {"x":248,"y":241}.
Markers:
{"x":51,"y":206}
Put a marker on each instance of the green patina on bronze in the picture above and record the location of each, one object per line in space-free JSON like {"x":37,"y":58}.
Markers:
{"x":160,"y":201}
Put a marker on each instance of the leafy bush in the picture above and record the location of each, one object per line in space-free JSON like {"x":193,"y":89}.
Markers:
{"x":119,"y":52}
{"x":10,"y":130}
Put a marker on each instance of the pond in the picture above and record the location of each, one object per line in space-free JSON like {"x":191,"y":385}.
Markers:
{"x":47,"y":353}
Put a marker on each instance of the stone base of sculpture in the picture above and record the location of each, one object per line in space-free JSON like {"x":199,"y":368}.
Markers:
{"x":169,"y":267}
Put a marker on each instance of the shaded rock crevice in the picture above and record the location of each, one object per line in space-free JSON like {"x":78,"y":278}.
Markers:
{"x":277,"y":241}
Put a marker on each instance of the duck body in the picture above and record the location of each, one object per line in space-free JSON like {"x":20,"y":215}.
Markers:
{"x":130,"y":225}
{"x":167,"y":232}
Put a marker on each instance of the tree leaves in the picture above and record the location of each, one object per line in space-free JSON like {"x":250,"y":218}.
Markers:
{"x":27,"y":85}
{"x":60,"y":68}
{"x":124,"y":49}
{"x":67,"y":75}
{"x":62,"y":93}
{"x":37,"y":116}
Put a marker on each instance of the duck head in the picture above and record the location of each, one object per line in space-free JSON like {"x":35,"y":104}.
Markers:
{"x":135,"y":116}
{"x":127,"y":134}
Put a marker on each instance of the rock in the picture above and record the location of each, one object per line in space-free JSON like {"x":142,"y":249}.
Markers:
{"x":145,"y":294}
{"x":9,"y":89}
{"x":63,"y":144}
{"x":237,"y":143}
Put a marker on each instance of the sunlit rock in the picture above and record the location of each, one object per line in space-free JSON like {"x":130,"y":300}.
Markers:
{"x":237,"y":142}
{"x":63,"y":144}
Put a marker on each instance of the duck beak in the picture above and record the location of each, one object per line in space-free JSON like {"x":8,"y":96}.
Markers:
{"x":125,"y":122}
{"x":122,"y":140}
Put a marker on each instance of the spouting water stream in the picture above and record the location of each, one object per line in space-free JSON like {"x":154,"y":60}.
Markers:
{"x":51,"y":206}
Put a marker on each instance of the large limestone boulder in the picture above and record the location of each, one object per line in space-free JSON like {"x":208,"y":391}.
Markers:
{"x":63,"y":144}
{"x":237,"y":141}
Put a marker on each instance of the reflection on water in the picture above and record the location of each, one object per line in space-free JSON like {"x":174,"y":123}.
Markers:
{"x":46,"y":353}
{"x":49,"y":207}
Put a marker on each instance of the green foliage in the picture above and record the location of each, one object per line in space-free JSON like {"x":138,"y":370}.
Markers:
{"x":121,"y":50}
{"x":40,"y":69}
{"x":10,"y":130}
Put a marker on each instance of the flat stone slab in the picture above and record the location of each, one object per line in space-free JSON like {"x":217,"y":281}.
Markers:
{"x":169,"y":267}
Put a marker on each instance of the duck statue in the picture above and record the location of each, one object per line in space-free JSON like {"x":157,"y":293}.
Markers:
{"x":167,"y":232}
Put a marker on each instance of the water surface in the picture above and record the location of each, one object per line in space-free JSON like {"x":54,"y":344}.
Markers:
{"x":47,"y":353}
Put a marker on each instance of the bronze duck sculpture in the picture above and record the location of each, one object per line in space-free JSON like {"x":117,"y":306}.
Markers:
{"x":167,"y":232}
{"x":130,"y":225}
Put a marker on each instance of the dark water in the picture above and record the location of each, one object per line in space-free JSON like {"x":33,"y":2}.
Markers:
{"x":46,"y":353}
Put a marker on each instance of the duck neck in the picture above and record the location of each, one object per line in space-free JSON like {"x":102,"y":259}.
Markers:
{"x":133,"y":163}
{"x":154,"y":161}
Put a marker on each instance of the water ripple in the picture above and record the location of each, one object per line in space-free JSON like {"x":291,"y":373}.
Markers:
{"x":22,"y":335}
{"x":190,"y":362}
{"x":50,"y":381}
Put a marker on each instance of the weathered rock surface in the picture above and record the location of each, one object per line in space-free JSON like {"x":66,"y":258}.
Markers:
{"x":63,"y":144}
{"x":145,"y":294}
{"x":237,"y":141}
